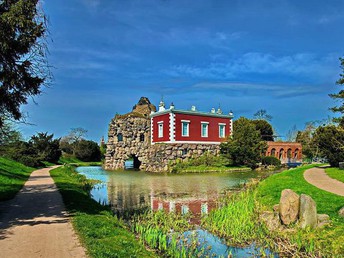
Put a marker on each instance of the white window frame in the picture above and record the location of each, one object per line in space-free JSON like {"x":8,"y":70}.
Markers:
{"x":160,"y":129}
{"x":207,"y":129}
{"x":224,"y":130}
{"x":187,"y":122}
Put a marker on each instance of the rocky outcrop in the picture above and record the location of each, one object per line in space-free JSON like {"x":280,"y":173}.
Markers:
{"x":289,"y":206}
{"x":293,"y":208}
{"x":308,"y":212}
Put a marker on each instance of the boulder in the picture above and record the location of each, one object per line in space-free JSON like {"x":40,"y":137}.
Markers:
{"x":308,"y":212}
{"x":289,"y":206}
{"x":323,"y":219}
{"x":271,"y":220}
{"x":341,"y":212}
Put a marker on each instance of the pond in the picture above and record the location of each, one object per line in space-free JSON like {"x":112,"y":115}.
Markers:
{"x":196,"y":193}
{"x":130,"y":190}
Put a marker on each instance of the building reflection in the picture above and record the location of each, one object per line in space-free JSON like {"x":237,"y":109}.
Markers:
{"x":124,"y":197}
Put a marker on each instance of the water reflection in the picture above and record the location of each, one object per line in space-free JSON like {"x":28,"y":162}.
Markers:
{"x":132,"y":190}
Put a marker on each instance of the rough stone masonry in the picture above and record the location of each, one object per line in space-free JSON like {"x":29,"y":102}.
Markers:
{"x":129,"y":137}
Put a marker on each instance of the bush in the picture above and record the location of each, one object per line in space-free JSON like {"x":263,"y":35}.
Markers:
{"x":87,"y":151}
{"x":270,"y":160}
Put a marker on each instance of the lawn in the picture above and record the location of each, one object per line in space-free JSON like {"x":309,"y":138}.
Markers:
{"x":13,"y":176}
{"x":326,"y":242}
{"x":103,"y":234}
{"x":335,"y":173}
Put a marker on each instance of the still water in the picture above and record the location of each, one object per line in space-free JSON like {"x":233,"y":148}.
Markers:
{"x":130,"y":190}
{"x":196,"y":193}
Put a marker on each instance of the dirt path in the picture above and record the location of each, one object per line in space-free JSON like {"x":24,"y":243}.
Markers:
{"x":318,"y":178}
{"x":35,"y":222}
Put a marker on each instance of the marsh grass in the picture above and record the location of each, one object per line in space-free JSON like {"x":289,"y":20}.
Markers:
{"x":165,"y":232}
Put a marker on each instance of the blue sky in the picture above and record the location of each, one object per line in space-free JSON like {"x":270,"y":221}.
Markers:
{"x":281,"y":56}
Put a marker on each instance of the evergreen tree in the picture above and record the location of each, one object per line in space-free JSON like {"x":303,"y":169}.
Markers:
{"x":339,"y":97}
{"x":23,"y":65}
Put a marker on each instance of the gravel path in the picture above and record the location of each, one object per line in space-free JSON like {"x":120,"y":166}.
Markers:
{"x":318,"y":178}
{"x":35,"y":223}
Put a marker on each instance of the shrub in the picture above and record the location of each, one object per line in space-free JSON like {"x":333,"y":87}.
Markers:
{"x":87,"y":151}
{"x":270,"y":160}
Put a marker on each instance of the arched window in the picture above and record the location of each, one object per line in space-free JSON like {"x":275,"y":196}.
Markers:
{"x":120,"y":137}
{"x":142,"y":137}
{"x":273,"y":152}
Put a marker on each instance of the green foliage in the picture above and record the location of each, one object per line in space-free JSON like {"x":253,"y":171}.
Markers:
{"x":245,"y":147}
{"x":270,"y":160}
{"x":103,"y":234}
{"x":330,"y":141}
{"x":41,"y":147}
{"x":305,"y":137}
{"x":265,"y":129}
{"x":335,"y":173}
{"x":8,"y":133}
{"x":13,"y":176}
{"x":87,"y":151}
{"x":47,"y":148}
{"x":23,"y":67}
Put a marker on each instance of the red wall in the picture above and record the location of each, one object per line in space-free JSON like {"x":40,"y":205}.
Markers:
{"x":195,"y":128}
{"x":166,"y":135}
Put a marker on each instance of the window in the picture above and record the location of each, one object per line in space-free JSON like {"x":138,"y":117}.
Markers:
{"x":204,"y":129}
{"x":204,"y":208}
{"x":120,"y":137}
{"x":160,"y":129}
{"x":142,"y":137}
{"x":185,"y":209}
{"x":185,"y":127}
{"x":222,"y":130}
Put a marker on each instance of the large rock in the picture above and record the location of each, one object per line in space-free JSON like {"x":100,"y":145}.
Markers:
{"x":308,"y":212}
{"x":341,"y":212}
{"x":289,"y":206}
{"x":271,"y":220}
{"x":323,"y":219}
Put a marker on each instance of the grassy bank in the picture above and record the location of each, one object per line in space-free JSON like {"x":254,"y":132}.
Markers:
{"x":77,"y":162}
{"x":103,"y":234}
{"x":13,"y":176}
{"x":206,"y":169}
{"x":336,"y":173}
{"x":237,"y":221}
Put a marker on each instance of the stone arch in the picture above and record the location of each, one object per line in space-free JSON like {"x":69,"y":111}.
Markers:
{"x":296,"y":153}
{"x":136,"y":162}
{"x":273,"y":152}
{"x":289,"y":153}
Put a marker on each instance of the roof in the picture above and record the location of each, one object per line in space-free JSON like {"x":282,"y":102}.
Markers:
{"x":190,"y":112}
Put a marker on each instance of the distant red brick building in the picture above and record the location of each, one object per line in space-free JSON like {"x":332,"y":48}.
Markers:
{"x":189,"y":126}
{"x":285,"y":151}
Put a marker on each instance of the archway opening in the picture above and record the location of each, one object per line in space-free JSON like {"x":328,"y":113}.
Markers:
{"x":281,"y":154}
{"x":273,"y":152}
{"x":132,"y":163}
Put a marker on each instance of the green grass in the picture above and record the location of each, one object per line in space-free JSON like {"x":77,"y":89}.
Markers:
{"x":68,"y":159}
{"x":205,"y":168}
{"x":336,"y":173}
{"x":326,"y":242}
{"x":13,"y":176}
{"x":103,"y":234}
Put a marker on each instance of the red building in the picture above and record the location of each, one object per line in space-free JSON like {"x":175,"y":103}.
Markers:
{"x":285,"y":151}
{"x":189,"y":126}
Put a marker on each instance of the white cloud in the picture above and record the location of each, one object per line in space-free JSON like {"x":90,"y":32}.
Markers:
{"x":300,"y":64}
